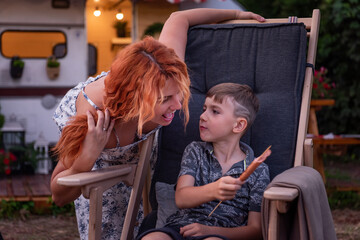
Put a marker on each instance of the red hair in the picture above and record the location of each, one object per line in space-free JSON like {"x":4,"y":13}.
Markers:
{"x":132,"y":89}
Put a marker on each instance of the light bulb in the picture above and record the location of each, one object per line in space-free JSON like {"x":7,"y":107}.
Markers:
{"x":97,"y":12}
{"x":119,"y":16}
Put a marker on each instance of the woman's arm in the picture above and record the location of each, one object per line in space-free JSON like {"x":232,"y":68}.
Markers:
{"x":174,"y":32}
{"x":95,"y":141}
{"x":251,"y":231}
{"x":62,"y":195}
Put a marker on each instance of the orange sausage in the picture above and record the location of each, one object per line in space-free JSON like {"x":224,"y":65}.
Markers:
{"x":254,"y":165}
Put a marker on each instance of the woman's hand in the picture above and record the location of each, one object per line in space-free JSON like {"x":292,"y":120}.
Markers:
{"x":249,"y":15}
{"x":226,"y":187}
{"x":96,"y":138}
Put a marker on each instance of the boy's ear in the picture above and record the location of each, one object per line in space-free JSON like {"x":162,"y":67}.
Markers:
{"x":240,"y":125}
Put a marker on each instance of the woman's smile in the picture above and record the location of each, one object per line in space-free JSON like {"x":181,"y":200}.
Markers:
{"x":168,"y":117}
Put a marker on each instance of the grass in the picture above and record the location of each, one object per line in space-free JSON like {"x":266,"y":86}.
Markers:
{"x":344,"y":199}
{"x":13,"y":209}
{"x":343,"y":169}
{"x":337,"y":174}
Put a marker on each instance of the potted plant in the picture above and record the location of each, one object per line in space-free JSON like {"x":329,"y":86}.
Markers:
{"x":52,"y":67}
{"x":27,"y":158}
{"x":153,"y":30}
{"x":16,"y":67}
{"x":121,"y":29}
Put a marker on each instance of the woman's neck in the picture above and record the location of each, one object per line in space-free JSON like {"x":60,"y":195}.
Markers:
{"x":126,"y":131}
{"x":149,"y":126}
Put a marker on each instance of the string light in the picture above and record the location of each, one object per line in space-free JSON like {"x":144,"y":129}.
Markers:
{"x":97,"y":12}
{"x":119,"y":15}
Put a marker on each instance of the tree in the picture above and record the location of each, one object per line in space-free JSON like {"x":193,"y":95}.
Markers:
{"x":338,"y":51}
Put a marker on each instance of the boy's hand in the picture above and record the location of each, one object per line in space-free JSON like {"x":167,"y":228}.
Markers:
{"x":194,"y":229}
{"x":226,"y":188}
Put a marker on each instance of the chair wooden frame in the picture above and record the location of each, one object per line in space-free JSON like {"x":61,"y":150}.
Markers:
{"x":281,"y":198}
{"x":94,"y":183}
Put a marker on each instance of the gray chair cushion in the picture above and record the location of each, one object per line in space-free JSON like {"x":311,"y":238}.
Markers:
{"x":271,"y":59}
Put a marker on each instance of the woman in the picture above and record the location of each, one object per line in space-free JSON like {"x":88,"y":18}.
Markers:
{"x":103,"y":119}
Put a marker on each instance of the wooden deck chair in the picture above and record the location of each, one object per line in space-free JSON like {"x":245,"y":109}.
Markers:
{"x":276,"y":59}
{"x":278,"y":73}
{"x":94,"y":183}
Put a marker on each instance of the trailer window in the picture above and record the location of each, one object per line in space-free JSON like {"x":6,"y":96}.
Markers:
{"x":32,"y":44}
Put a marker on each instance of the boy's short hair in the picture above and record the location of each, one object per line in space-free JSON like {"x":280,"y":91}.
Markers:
{"x":245,"y":101}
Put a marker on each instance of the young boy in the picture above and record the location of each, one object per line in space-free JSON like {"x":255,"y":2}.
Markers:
{"x":210,"y":173}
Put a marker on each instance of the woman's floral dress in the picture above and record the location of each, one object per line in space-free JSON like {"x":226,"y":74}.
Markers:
{"x":115,"y":199}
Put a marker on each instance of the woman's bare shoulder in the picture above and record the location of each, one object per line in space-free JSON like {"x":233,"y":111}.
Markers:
{"x":95,"y":92}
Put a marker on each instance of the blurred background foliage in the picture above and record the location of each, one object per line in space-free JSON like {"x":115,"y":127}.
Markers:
{"x":338,"y":51}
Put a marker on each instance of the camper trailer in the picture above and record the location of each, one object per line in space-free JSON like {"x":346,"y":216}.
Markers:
{"x":33,"y":35}
{"x":44,"y":52}
{"x":48,"y":46}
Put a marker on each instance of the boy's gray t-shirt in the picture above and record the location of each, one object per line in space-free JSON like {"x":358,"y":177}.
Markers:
{"x":200,"y":162}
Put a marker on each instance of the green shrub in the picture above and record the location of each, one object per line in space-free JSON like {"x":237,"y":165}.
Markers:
{"x":153,"y":29}
{"x":344,"y":199}
{"x":68,"y":209}
{"x":13,"y":209}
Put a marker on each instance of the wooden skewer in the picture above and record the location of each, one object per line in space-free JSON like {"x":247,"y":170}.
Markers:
{"x":257,"y":161}
{"x":214,"y":209}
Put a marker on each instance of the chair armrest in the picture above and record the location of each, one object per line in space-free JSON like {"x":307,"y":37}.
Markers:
{"x":281,"y":193}
{"x":283,"y":197}
{"x":100,"y":175}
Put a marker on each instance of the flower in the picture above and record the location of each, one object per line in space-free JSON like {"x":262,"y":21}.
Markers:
{"x":6,"y":160}
{"x":322,"y":86}
{"x":7,"y":170}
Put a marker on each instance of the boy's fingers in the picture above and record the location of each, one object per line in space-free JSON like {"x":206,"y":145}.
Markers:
{"x":232,"y":180}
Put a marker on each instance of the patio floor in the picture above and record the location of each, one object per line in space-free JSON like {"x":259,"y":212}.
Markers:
{"x":35,"y":187}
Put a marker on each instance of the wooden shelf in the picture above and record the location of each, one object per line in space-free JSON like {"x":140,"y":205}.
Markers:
{"x":322,"y":102}
{"x":121,"y":41}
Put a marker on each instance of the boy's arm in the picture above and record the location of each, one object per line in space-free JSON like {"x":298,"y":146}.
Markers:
{"x":251,"y":231}
{"x":187,"y":195}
